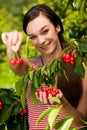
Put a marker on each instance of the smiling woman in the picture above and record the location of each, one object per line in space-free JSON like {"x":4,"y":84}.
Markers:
{"x":45,"y":30}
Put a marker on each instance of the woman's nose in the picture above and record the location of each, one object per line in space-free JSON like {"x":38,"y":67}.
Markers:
{"x":41,"y":40}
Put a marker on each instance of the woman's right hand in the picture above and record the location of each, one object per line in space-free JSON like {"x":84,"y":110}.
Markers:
{"x":12,"y":40}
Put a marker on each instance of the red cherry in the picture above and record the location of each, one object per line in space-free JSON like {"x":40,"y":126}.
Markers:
{"x":1,"y":104}
{"x":57,"y":91}
{"x":53,"y":93}
{"x":19,"y":62}
{"x":44,"y":89}
{"x":13,"y":61}
{"x":72,"y":60}
{"x":63,"y":55}
{"x":67,"y":58}
{"x":24,"y":112}
{"x":38,"y":92}
{"x":72,"y":53}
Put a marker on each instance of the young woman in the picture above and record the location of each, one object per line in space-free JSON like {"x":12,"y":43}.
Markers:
{"x":45,"y":30}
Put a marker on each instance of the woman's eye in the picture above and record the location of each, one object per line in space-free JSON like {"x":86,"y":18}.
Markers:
{"x":32,"y":37}
{"x":45,"y":31}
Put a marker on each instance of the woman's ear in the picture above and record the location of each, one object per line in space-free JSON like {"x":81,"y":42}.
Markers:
{"x":58,"y":29}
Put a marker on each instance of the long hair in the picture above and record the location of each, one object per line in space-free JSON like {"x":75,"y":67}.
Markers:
{"x":35,"y":11}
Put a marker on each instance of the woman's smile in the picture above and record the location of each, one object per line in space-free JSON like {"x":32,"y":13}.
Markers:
{"x":46,"y":46}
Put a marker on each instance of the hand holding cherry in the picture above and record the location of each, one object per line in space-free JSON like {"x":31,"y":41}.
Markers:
{"x":44,"y":94}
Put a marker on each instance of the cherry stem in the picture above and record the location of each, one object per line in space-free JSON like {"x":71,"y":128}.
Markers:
{"x":27,"y":40}
{"x":17,"y":55}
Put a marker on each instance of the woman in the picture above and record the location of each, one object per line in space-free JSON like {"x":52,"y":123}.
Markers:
{"x":45,"y":30}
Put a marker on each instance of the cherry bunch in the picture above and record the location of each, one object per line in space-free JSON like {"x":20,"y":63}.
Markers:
{"x":68,"y":57}
{"x":1,"y":105}
{"x":23,"y":112}
{"x":48,"y":90}
{"x":16,"y":61}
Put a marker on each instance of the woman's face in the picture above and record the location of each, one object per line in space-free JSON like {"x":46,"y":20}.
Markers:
{"x":43,"y":34}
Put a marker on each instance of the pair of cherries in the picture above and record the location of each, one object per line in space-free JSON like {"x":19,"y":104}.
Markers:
{"x":48,"y":90}
{"x":16,"y":61}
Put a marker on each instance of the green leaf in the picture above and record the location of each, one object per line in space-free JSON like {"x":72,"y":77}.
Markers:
{"x":55,"y":99}
{"x":78,"y":3}
{"x":82,"y":8}
{"x":78,"y":59}
{"x":82,"y":45}
{"x":33,"y":96}
{"x":2,"y":127}
{"x":31,"y":73}
{"x":6,"y":113}
{"x":3,"y":93}
{"x":79,"y":70}
{"x":18,"y":86}
{"x":53,"y":115}
{"x":54,"y":65}
{"x":73,"y":129}
{"x":36,"y":81}
{"x":47,"y":127}
{"x":64,"y":124}
{"x":23,"y":99}
{"x":43,"y":115}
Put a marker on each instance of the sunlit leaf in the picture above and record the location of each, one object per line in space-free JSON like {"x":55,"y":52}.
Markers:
{"x":55,"y":99}
{"x":53,"y":115}
{"x":43,"y":115}
{"x":64,"y":124}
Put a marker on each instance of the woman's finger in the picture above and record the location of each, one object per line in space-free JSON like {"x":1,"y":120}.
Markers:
{"x":45,"y":100}
{"x":4,"y":37}
{"x":49,"y":98}
{"x":41,"y":97}
{"x":59,"y":95}
{"x":15,"y":37}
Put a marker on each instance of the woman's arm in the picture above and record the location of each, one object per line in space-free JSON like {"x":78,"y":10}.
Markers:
{"x":68,"y":110}
{"x":13,"y":41}
{"x":82,"y":106}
